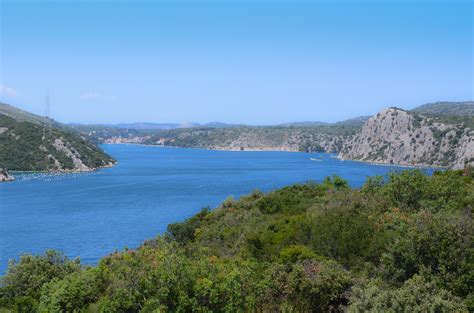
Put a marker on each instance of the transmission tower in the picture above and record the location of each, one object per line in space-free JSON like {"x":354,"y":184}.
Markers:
{"x":47,"y":124}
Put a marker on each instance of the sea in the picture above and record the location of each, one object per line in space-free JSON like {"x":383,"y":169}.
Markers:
{"x":90,"y":215}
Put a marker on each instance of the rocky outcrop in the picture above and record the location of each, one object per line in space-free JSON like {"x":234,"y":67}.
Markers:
{"x":4,"y":176}
{"x":395,"y":136}
{"x":72,"y":154}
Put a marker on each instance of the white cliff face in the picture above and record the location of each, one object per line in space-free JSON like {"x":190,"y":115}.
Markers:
{"x":71,"y":153}
{"x":465,"y":151}
{"x":395,"y":136}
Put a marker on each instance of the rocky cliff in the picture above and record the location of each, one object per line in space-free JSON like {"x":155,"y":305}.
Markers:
{"x":395,"y":136}
{"x":4,"y":176}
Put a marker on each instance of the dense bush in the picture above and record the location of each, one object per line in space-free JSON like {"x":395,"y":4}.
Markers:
{"x":74,"y":292}
{"x":416,"y":295}
{"x":22,"y":284}
{"x":399,"y":243}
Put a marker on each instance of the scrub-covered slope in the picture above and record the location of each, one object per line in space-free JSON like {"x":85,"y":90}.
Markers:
{"x":26,"y":145}
{"x":465,"y":108}
{"x":327,"y":138}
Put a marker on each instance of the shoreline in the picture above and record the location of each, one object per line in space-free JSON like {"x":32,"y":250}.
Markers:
{"x":65,"y":171}
{"x":426,"y":166}
{"x":397,"y":164}
{"x":216,"y":149}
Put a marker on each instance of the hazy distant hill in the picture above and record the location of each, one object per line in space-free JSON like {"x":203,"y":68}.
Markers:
{"x":305,"y":123}
{"x":165,"y":126}
{"x":356,"y":121}
{"x":447,"y":108}
{"x":145,"y":125}
{"x":220,"y":125}
{"x":100,"y":133}
{"x":21,"y":115}
{"x":27,"y":146}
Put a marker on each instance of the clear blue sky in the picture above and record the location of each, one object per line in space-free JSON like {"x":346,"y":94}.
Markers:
{"x":257,"y":62}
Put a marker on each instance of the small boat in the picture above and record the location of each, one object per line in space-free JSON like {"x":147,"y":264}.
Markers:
{"x":313,"y":159}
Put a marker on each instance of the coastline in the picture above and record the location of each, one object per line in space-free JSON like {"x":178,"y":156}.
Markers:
{"x":6,"y":177}
{"x":212,"y":149}
{"x":267,"y":149}
{"x":95,"y":169}
{"x":405,"y":165}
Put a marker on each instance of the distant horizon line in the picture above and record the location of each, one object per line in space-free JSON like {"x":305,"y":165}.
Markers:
{"x":197,"y":124}
{"x":190,"y":124}
{"x":215,"y":122}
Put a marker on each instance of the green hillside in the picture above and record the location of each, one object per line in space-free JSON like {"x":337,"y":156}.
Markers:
{"x":356,"y":121}
{"x":294,"y":138}
{"x":447,"y":108}
{"x":21,"y":115}
{"x":399,"y":244}
{"x":25,"y":146}
{"x":449,"y":112}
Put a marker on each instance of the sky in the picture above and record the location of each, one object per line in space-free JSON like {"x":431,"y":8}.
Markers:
{"x":253,"y":62}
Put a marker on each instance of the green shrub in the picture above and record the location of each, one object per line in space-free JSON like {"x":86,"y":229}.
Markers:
{"x":415,"y":295}
{"x":318,"y":286}
{"x":73,"y":293}
{"x":24,"y":278}
{"x":439,"y":244}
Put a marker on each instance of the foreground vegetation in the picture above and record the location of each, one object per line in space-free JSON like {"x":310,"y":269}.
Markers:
{"x":399,"y":243}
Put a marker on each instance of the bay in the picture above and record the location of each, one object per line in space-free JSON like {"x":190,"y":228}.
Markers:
{"x":90,"y":215}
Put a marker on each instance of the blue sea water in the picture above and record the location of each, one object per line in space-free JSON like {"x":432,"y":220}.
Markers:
{"x":92,"y":214}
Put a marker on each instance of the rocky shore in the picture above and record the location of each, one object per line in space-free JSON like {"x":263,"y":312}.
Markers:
{"x":4,"y":176}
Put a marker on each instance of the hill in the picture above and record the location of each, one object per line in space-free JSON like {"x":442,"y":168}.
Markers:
{"x":220,"y":125}
{"x":145,"y":125}
{"x":446,"y":108}
{"x":282,"y":138}
{"x":305,"y":123}
{"x":402,"y":243}
{"x":465,"y":108}
{"x":21,"y":115}
{"x":395,"y":136}
{"x":356,"y":121}
{"x":445,"y":129}
{"x":100,"y":134}
{"x":25,"y":146}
